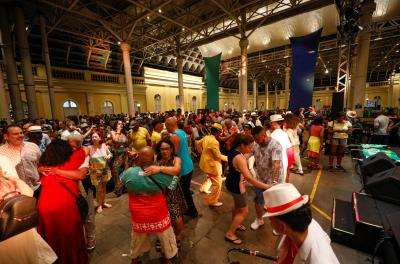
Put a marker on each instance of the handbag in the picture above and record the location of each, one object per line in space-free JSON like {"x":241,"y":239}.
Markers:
{"x":18,"y":213}
{"x":80,"y":201}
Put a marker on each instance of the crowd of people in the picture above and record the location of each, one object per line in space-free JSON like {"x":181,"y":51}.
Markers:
{"x":151,"y":157}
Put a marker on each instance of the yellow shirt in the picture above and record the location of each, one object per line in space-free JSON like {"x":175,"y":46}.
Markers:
{"x":139,"y":138}
{"x":340,"y":126}
{"x":155,"y":137}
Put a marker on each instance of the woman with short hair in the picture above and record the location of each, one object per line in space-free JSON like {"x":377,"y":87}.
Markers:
{"x":170,"y":164}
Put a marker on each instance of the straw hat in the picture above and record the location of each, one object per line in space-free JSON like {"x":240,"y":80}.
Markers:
{"x":34,"y":129}
{"x":351,"y":114}
{"x":276,"y":118}
{"x":217,"y":126}
{"x":283,"y":198}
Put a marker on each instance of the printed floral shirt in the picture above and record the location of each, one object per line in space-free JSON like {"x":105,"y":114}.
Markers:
{"x":264,"y":155}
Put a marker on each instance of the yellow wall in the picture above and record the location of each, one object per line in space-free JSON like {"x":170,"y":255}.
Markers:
{"x":90,"y":95}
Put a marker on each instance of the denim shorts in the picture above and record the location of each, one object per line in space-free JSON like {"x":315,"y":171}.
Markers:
{"x":339,"y":141}
{"x":258,"y":195}
{"x":240,"y":199}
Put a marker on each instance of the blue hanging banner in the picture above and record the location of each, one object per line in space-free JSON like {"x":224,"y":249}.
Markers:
{"x":304,"y":59}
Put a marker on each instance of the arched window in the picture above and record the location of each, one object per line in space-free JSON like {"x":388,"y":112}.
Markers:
{"x":70,"y":108}
{"x":194,"y":104}
{"x":157,"y":103}
{"x":137,"y":107}
{"x":177,"y":102}
{"x":318,"y":104}
{"x":108,"y":108}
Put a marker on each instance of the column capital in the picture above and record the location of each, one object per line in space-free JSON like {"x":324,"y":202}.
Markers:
{"x":125,"y":47}
{"x":179,"y":59}
{"x":244,"y":42}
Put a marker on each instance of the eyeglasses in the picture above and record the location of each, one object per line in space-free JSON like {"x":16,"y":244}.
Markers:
{"x":165,"y":149}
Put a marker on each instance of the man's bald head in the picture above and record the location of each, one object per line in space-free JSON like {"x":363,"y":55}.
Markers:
{"x":171,"y":124}
{"x":228,"y":123}
{"x":146,"y":157}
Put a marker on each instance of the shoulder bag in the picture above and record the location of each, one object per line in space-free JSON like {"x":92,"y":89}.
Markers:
{"x":18,"y":214}
{"x":80,"y":201}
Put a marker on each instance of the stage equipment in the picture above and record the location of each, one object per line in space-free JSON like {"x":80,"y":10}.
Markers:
{"x":385,"y":185}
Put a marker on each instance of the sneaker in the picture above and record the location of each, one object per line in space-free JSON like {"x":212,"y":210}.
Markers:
{"x":330,"y":167}
{"x":301,"y":173}
{"x":256,"y":224}
{"x":217,"y":204}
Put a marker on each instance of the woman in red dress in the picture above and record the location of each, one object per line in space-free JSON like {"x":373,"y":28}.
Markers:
{"x":60,"y":223}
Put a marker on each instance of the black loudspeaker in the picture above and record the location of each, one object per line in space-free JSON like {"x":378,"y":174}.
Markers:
{"x":385,"y":185}
{"x":375,"y":164}
{"x":337,"y":102}
{"x":368,"y":224}
{"x":343,"y":223}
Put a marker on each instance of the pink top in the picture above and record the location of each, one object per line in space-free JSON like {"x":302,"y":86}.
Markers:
{"x":315,"y":130}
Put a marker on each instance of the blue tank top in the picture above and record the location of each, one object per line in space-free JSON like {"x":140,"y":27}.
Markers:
{"x":184,"y":153}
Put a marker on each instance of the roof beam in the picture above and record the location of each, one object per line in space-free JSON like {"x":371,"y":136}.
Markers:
{"x":60,"y":18}
{"x":165,"y":17}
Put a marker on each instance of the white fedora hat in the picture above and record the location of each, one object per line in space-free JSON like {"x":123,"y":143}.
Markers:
{"x":276,"y":118}
{"x":283,"y":198}
{"x":34,"y":129}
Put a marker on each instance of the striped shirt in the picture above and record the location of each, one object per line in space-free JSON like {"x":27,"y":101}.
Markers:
{"x":25,"y":161}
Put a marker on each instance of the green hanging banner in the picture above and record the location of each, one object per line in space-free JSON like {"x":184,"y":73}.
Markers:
{"x":212,"y":81}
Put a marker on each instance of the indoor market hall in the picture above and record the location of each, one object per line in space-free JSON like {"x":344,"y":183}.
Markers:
{"x":199,"y":131}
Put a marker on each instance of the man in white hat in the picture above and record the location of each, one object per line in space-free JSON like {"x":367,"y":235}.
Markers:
{"x":34,"y":134}
{"x":282,"y":137}
{"x":303,"y":241}
{"x":254,"y":121}
{"x":268,"y":166}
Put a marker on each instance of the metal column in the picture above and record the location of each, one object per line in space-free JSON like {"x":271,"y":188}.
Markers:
{"x":26,"y":64}
{"x":179,"y":64}
{"x":48,"y":67}
{"x":4,"y":113}
{"x":244,"y":42}
{"x":128,"y":77}
{"x":11,"y":67}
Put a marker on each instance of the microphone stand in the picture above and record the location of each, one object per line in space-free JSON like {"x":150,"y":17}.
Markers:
{"x":249,"y":252}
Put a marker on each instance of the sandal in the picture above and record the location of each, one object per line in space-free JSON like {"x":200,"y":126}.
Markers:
{"x":107,"y":205}
{"x":241,"y":228}
{"x":99,"y":210}
{"x":235,"y":241}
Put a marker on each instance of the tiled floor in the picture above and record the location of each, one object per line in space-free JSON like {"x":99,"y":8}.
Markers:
{"x":203,"y":237}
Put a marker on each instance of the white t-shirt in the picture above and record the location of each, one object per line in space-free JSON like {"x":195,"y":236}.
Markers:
{"x":66,"y":133}
{"x":316,"y":248}
{"x":283,"y":139}
{"x":7,"y":168}
{"x":382,"y":122}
